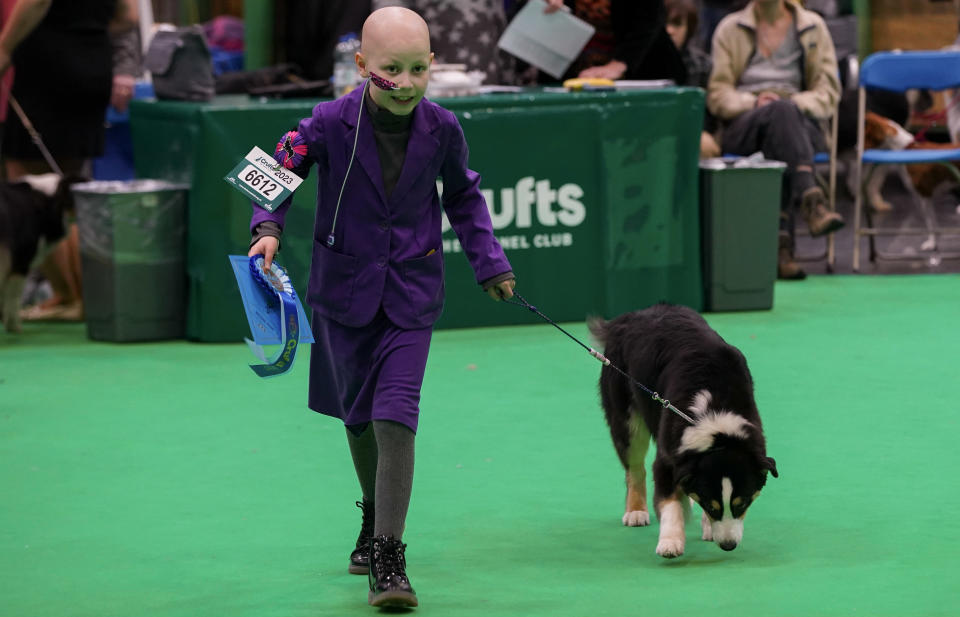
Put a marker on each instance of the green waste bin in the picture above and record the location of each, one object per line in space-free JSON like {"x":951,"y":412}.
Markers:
{"x":740,"y":214}
{"x":132,"y":251}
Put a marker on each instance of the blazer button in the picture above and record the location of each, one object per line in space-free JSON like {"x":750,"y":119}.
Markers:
{"x":382,"y":262}
{"x":384,"y":226}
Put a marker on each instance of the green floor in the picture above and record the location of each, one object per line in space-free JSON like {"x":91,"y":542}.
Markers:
{"x":166,"y":480}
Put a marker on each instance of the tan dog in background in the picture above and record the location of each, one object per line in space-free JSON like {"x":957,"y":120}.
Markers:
{"x":885,"y":134}
{"x":880,"y":133}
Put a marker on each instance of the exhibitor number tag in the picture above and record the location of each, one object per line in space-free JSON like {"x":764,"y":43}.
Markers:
{"x":255,"y":178}
{"x":262,"y":179}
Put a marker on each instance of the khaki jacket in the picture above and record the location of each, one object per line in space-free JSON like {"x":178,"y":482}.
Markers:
{"x":734,"y":43}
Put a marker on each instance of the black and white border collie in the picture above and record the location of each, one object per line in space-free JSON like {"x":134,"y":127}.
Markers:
{"x":720,"y":460}
{"x":32,"y":214}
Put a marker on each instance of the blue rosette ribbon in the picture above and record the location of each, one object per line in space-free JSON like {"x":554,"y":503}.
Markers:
{"x":276,"y":282}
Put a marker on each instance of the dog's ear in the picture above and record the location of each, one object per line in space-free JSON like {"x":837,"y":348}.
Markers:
{"x":770,"y":465}
{"x":598,"y":328}
{"x":683,"y":471}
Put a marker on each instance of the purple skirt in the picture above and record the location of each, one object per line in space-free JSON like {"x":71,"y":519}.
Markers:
{"x":369,"y":373}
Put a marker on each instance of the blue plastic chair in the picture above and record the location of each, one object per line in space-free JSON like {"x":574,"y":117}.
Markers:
{"x":898,"y":72}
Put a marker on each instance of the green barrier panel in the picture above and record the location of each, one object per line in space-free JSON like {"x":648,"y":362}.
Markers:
{"x":198,"y":143}
{"x":650,"y":150}
{"x":593,"y":195}
{"x":545,"y":201}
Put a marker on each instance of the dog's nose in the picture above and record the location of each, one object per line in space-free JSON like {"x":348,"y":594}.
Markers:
{"x":728,"y":546}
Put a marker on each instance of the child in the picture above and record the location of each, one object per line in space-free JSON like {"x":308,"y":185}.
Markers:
{"x":682,"y":19}
{"x":376,"y":280}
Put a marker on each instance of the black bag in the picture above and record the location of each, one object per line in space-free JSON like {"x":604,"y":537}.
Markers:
{"x":180,"y":64}
{"x":280,"y":81}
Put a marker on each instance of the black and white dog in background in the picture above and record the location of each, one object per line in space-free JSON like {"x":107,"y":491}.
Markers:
{"x":32,"y":214}
{"x":720,"y":460}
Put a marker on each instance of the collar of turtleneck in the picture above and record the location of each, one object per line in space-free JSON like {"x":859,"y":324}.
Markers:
{"x":384,"y":120}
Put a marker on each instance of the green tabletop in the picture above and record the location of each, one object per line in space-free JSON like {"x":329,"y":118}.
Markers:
{"x":594,"y":196}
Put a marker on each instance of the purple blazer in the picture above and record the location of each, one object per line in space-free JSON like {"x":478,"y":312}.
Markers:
{"x":388,"y":252}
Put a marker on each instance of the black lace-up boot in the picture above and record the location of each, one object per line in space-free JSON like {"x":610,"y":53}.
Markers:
{"x":360,"y":557}
{"x":389,"y":585}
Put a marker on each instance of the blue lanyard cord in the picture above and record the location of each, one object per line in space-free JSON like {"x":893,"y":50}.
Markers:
{"x":602,"y":358}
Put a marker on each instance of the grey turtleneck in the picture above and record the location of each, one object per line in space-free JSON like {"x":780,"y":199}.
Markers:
{"x":392,"y":132}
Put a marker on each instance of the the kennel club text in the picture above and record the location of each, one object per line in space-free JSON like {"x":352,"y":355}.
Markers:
{"x":532,"y":202}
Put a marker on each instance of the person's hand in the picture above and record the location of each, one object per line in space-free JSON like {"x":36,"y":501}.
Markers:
{"x":765,"y":98}
{"x":553,"y":6}
{"x":612,"y":70}
{"x":502,"y":290}
{"x":266,"y":246}
{"x":122,"y":92}
{"x":708,"y":146}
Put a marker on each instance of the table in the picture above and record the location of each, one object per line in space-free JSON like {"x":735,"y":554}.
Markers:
{"x":594,"y":196}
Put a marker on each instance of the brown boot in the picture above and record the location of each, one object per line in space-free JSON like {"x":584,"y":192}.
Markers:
{"x":820,"y":219}
{"x":787,"y":268}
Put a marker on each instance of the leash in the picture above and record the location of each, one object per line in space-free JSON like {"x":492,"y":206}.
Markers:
{"x":599,"y":356}
{"x":34,"y":135}
{"x":932,"y":118}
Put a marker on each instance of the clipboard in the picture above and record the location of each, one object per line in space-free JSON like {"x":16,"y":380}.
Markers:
{"x":550,"y":42}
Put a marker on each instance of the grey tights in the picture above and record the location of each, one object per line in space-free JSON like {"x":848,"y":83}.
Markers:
{"x":383,"y":458}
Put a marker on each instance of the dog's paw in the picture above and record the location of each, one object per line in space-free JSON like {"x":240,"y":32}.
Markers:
{"x":636,"y":518}
{"x":670,"y":547}
{"x":706,"y":527}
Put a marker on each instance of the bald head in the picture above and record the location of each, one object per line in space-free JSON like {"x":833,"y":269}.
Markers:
{"x":395,"y":50}
{"x":394,"y":28}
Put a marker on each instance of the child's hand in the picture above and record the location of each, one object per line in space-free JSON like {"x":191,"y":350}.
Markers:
{"x":266,"y":246}
{"x":502,"y":290}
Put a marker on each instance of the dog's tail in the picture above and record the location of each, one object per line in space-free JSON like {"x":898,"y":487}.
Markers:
{"x":598,"y":329}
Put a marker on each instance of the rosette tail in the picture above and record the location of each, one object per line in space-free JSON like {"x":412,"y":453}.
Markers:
{"x":276,"y":283}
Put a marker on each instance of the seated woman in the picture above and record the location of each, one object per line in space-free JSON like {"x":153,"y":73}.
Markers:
{"x":774,"y":79}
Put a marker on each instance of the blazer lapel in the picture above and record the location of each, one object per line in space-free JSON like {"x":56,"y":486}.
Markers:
{"x":421,"y":148}
{"x":366,"y":155}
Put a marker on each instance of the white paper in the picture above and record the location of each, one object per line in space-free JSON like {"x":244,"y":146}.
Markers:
{"x":642,"y":84}
{"x":550,"y":42}
{"x":494,"y":89}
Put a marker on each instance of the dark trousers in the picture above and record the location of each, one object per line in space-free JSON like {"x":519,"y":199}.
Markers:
{"x":783,"y":133}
